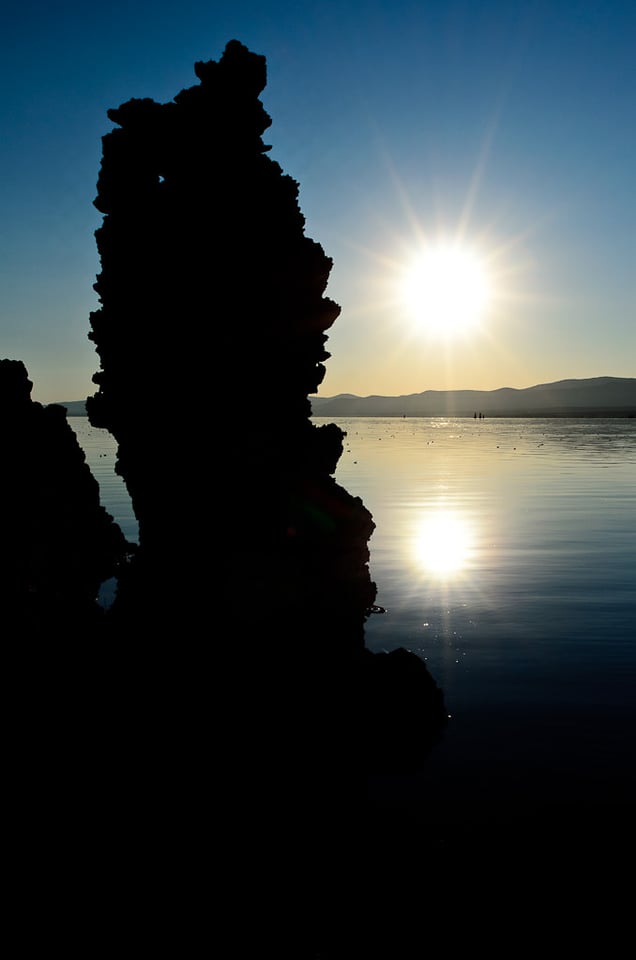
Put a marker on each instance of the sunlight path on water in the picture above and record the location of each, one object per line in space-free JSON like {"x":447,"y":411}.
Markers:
{"x":504,"y":554}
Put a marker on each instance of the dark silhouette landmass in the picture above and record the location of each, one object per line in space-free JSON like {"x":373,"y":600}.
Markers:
{"x":58,"y":543}
{"x":74,"y":408}
{"x":243,"y":611}
{"x":594,"y":397}
{"x":209,"y":286}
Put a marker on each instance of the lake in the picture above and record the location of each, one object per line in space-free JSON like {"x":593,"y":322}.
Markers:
{"x":505,"y":556}
{"x":100,"y":448}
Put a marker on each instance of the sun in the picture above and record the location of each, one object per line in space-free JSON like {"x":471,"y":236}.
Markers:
{"x":446,"y":290}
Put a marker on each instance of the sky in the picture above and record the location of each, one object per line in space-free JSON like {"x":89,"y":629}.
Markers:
{"x":435,"y":137}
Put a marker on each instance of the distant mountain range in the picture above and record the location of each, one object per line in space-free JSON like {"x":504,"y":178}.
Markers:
{"x":74,"y":408}
{"x":598,"y":396}
{"x":595,"y":397}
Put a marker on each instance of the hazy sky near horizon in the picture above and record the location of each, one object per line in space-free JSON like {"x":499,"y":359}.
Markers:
{"x":504,"y":129}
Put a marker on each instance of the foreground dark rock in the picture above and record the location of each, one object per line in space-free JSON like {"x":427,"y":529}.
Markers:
{"x":241,"y":619}
{"x":58,"y":543}
{"x":210,"y":289}
{"x":404,"y":712}
{"x":246,"y":704}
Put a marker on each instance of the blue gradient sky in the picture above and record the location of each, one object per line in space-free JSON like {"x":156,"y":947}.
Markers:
{"x":511,"y":125}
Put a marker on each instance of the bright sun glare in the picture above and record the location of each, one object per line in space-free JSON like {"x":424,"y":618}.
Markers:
{"x":443,"y":543}
{"x":446,"y":289}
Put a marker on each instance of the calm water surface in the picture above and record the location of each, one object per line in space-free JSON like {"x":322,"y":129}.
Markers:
{"x":100,"y":448}
{"x":505,"y":556}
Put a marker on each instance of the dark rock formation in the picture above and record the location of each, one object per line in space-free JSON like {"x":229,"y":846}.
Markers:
{"x":58,"y":543}
{"x":404,"y":713}
{"x":241,"y":619}
{"x":210,"y":290}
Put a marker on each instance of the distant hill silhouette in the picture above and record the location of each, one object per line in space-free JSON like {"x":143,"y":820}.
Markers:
{"x":74,"y":408}
{"x":597,"y":396}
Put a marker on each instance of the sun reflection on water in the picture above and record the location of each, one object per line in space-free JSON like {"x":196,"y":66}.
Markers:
{"x":443,"y":542}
